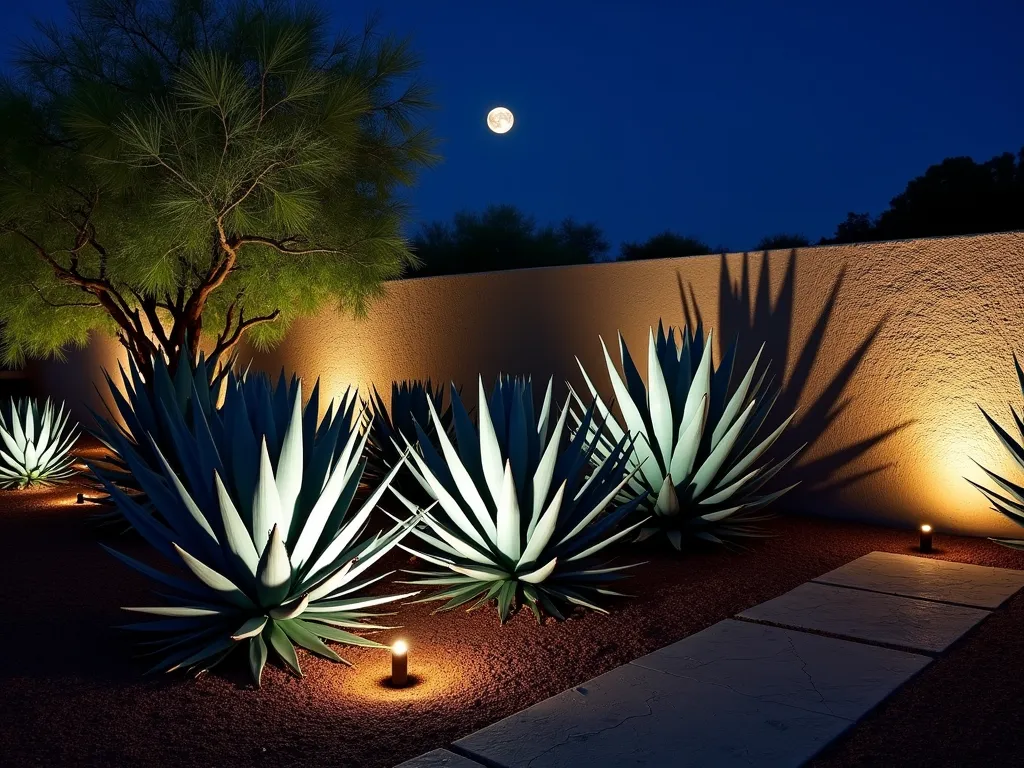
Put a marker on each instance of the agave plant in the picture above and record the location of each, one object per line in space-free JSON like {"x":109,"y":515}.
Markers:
{"x":1012,"y":504}
{"x":38,"y":443}
{"x":257,"y":530}
{"x":142,"y":415}
{"x":518,"y":516}
{"x":392,"y":429}
{"x":698,"y":436}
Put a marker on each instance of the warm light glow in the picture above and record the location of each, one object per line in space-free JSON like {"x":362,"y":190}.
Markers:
{"x":938,"y":466}
{"x":500,"y":120}
{"x":926,"y":528}
{"x":400,"y":648}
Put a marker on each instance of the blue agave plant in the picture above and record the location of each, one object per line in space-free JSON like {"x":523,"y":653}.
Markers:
{"x":699,"y":436}
{"x":35,"y":444}
{"x":520,"y":513}
{"x":256,"y":529}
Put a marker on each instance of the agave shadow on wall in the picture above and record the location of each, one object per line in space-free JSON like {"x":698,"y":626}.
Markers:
{"x":754,"y":318}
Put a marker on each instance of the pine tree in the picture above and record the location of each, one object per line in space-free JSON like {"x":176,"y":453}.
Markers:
{"x":185,"y":173}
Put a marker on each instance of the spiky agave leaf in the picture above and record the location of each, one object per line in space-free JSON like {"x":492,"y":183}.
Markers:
{"x":519,"y":512}
{"x":35,"y":443}
{"x":393,"y":427}
{"x":1009,"y":500}
{"x":257,"y":529}
{"x":699,"y":437}
{"x":147,"y":413}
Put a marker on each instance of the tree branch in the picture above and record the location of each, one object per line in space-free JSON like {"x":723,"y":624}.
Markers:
{"x":108,"y":296}
{"x":61,"y":304}
{"x":191,"y":316}
{"x":281,"y":246}
{"x":149,"y":305}
{"x":226,"y":343}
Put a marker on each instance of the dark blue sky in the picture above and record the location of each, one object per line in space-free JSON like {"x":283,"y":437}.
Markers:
{"x":724,"y":120}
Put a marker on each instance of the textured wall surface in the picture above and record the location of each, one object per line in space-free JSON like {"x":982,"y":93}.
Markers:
{"x":887,"y":349}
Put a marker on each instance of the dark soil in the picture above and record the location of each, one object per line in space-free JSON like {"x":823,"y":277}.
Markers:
{"x":72,"y":693}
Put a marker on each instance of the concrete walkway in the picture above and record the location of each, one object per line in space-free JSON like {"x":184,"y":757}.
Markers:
{"x":771,"y":687}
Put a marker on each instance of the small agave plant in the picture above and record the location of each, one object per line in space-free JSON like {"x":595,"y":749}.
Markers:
{"x":256,"y":528}
{"x":698,"y":436}
{"x":1012,"y":503}
{"x":518,"y":516}
{"x":393,"y":428}
{"x":37,"y":443}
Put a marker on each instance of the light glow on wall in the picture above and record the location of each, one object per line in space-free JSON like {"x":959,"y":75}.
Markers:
{"x":949,"y":459}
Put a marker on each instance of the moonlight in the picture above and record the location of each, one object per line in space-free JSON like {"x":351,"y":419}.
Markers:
{"x":500,"y":120}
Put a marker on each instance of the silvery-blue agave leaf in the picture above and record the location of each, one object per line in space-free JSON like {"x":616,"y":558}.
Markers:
{"x":1010,"y":501}
{"x":520,"y":513}
{"x":35,"y":444}
{"x":262,"y":551}
{"x":699,"y":436}
{"x":142,"y":417}
{"x":393,"y":428}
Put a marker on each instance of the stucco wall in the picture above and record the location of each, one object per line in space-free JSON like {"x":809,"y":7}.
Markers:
{"x":887,"y":349}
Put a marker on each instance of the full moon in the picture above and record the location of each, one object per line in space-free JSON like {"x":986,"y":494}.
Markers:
{"x":500,"y":120}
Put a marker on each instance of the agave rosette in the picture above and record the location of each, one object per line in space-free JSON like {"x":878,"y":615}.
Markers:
{"x":1010,"y":502}
{"x":257,"y":529}
{"x":699,"y":437}
{"x":393,"y":427}
{"x":36,"y":443}
{"x":519,"y":514}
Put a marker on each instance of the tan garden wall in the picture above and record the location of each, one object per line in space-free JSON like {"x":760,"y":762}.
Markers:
{"x":886,"y":347}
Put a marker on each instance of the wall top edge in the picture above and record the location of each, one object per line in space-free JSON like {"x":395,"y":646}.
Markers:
{"x":707,"y":256}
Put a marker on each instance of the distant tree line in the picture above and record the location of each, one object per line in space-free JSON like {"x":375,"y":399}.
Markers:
{"x":503,"y":237}
{"x":955,"y":197}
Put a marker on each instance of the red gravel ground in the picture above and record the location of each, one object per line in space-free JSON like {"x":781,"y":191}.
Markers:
{"x":72,"y":694}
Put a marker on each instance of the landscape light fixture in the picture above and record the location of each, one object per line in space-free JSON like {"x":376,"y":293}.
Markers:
{"x":400,"y":664}
{"x":926,"y":538}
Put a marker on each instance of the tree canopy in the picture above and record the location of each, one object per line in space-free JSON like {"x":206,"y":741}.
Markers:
{"x":955,"y":197}
{"x":782,"y":240}
{"x":192,"y":172}
{"x":503,"y":237}
{"x":666,"y":245}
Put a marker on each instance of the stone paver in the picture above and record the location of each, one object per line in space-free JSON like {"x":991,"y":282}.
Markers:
{"x":440,"y":758}
{"x":641,"y":717}
{"x":872,"y":616}
{"x":819,"y":674}
{"x":940,"y":580}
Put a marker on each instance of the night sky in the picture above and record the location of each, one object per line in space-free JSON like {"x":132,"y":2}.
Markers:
{"x":726,"y":121}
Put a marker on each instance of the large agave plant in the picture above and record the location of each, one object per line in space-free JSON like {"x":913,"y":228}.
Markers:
{"x":518,"y":516}
{"x":1012,"y":503}
{"x":257,"y":531}
{"x":37,"y":443}
{"x":698,"y":436}
{"x":393,"y":428}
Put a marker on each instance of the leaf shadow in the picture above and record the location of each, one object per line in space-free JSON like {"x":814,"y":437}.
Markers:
{"x":746,"y":313}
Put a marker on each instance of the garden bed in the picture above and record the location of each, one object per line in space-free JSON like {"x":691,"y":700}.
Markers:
{"x":74,"y":694}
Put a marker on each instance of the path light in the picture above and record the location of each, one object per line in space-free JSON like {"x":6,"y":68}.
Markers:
{"x":80,"y":499}
{"x":926,"y":538}
{"x":400,"y":664}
